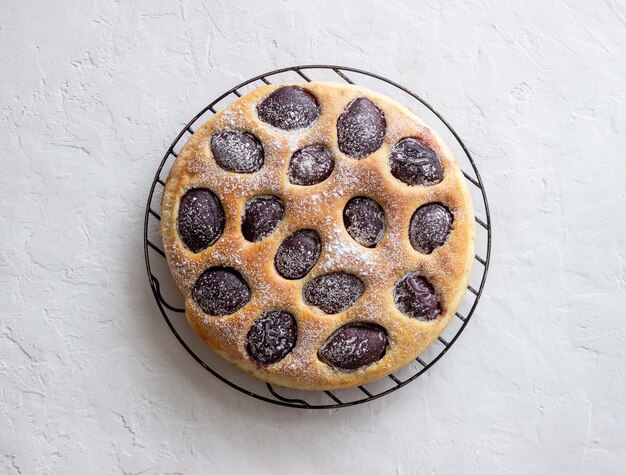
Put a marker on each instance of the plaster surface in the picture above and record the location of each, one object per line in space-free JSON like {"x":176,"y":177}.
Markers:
{"x":92,"y":380}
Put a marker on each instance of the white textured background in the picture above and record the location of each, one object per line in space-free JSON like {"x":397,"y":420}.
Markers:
{"x":91,"y":379}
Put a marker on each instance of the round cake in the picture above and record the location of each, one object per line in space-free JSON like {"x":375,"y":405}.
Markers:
{"x":321,"y":234}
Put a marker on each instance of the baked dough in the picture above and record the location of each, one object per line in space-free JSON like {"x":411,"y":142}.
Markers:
{"x":320,"y":207}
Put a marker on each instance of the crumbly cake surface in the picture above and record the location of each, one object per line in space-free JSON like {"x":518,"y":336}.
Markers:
{"x":319,"y":207}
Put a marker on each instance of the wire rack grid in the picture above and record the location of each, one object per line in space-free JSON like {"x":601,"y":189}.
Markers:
{"x":169,"y":299}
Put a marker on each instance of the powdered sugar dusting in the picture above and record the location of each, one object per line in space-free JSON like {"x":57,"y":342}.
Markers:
{"x":334,"y":292}
{"x":297,"y":254}
{"x":361,"y":128}
{"x":340,"y":251}
{"x":271,"y":337}
{"x":221,"y":291}
{"x":310,"y":165}
{"x":239,"y":152}
{"x":364,"y":220}
{"x":289,"y":108}
{"x":430,"y":226}
{"x":320,"y":209}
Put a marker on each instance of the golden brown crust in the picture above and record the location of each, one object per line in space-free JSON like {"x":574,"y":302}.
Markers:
{"x":320,"y":207}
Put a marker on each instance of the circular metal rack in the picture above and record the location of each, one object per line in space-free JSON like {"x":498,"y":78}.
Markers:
{"x":166,"y":294}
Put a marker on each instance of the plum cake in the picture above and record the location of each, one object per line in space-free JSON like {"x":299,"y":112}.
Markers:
{"x":321,"y":234}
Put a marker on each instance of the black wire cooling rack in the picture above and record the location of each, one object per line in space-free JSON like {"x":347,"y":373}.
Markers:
{"x":170,"y":301}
